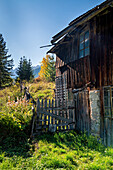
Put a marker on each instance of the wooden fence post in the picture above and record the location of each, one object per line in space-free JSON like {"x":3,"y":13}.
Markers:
{"x":33,"y":120}
{"x":37,"y":119}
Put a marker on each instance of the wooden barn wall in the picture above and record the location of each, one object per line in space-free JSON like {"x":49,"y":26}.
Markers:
{"x":101,"y":53}
{"x":97,"y":67}
{"x":78,"y":73}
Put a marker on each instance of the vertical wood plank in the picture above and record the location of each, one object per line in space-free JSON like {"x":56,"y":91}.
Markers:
{"x":45,"y":117}
{"x":66,"y":114}
{"x":49,"y":112}
{"x":108,"y":132}
{"x":37,"y":110}
{"x":59,"y":114}
{"x":111,"y":133}
{"x":52,"y":111}
{"x":105,"y":131}
{"x":56,"y":113}
{"x":42,"y":115}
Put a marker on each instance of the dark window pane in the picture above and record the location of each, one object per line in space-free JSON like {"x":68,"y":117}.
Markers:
{"x":81,"y":54}
{"x":107,"y":101}
{"x":106,"y":93}
{"x":107,"y":112}
{"x":81,"y":38}
{"x":86,"y":43}
{"x":86,"y":51}
{"x":81,"y":45}
{"x":87,"y":35}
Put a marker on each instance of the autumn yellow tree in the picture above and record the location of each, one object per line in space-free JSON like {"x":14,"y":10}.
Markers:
{"x":47,"y":71}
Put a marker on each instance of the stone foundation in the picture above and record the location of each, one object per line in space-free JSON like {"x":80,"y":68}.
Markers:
{"x":94,"y":98}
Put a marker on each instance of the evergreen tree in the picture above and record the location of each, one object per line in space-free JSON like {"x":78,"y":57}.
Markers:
{"x":48,"y":70}
{"x":51,"y":71}
{"x":6,"y":64}
{"x":29,"y":71}
{"x":20,"y":69}
{"x":24,"y":70}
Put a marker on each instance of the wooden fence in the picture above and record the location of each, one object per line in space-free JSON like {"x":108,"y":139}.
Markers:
{"x":55,"y":115}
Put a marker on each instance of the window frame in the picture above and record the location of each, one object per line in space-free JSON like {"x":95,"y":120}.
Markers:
{"x":83,"y":33}
{"x":109,"y":100}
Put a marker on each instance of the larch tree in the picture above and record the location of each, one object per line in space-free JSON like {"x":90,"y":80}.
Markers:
{"x":48,"y":70}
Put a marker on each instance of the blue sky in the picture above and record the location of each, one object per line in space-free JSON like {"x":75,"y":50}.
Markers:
{"x":28,"y":24}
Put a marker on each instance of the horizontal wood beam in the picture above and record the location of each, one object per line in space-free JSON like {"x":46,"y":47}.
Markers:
{"x":57,"y":125}
{"x":43,"y":111}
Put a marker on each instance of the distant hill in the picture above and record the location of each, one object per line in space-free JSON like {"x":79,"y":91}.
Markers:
{"x":36,"y":70}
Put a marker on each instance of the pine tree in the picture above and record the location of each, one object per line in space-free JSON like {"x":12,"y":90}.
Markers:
{"x":29,"y":71}
{"x":24,"y":70}
{"x":20,"y":69}
{"x":6,"y":64}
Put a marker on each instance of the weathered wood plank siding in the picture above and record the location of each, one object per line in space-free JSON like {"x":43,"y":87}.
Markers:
{"x":101,"y":53}
{"x":97,"y":67}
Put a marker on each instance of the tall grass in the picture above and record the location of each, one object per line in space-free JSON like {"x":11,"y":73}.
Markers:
{"x":67,"y":150}
{"x":42,"y":89}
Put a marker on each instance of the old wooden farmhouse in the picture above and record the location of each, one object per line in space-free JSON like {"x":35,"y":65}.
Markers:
{"x":84,"y":69}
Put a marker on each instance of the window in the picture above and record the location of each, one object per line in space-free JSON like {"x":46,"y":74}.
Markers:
{"x":84,"y":44}
{"x":108,"y":101}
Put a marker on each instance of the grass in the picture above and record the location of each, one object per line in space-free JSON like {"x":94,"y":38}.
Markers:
{"x":42,"y":89}
{"x":67,"y":150}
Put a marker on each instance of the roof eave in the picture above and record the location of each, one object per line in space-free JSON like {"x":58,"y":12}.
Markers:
{"x":82,"y":19}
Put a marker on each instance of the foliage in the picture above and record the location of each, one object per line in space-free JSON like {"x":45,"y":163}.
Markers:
{"x":47,"y":71}
{"x":24,"y":70}
{"x":15,"y":119}
{"x":38,"y":79}
{"x":42,"y":89}
{"x":67,"y":150}
{"x":6,"y":64}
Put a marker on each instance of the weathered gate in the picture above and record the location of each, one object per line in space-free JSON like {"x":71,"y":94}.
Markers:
{"x":82,"y":111}
{"x":55,"y":115}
